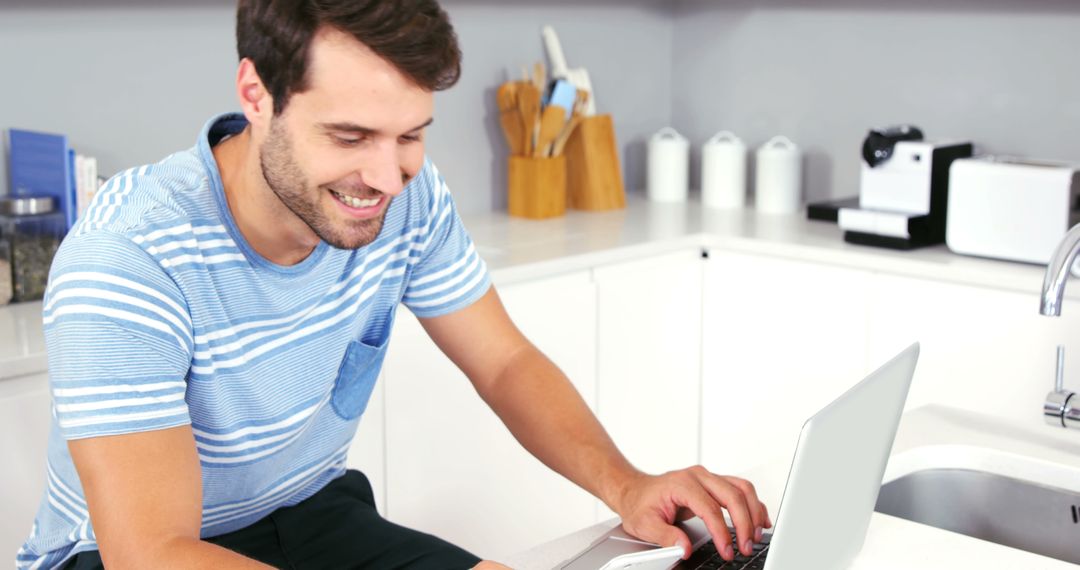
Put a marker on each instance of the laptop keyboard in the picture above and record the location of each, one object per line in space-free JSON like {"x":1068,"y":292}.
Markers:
{"x":707,"y":558}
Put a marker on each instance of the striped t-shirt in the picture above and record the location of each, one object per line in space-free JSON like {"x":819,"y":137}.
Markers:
{"x":159,"y":314}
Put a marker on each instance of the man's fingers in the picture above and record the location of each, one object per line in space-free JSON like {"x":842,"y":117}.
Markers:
{"x":705,"y":506}
{"x":758,"y":511}
{"x":732,"y":498}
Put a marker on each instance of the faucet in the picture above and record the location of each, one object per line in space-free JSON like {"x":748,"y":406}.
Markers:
{"x":1061,"y":408}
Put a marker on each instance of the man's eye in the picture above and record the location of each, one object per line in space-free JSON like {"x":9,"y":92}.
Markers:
{"x":348,"y":141}
{"x":411,"y":138}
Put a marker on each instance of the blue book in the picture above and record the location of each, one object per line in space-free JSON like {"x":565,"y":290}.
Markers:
{"x":43,"y":164}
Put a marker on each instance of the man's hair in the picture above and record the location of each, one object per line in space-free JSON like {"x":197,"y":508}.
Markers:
{"x":413,"y":35}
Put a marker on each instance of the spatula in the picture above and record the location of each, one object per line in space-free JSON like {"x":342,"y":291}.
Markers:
{"x":551,"y":124}
{"x":529,"y":105}
{"x":510,"y":118}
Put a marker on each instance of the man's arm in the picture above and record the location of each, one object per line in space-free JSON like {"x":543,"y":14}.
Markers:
{"x":144,"y":492}
{"x":548,"y":417}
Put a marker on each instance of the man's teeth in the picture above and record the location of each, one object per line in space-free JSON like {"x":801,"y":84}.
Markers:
{"x":356,"y":202}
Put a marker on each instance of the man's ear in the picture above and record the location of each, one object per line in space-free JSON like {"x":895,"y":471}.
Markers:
{"x":255,"y":100}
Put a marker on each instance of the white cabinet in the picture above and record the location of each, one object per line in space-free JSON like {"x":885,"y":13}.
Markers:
{"x":24,"y":433}
{"x":452,"y":468}
{"x":649,"y":358}
{"x":982,"y":349}
{"x":781,"y":339}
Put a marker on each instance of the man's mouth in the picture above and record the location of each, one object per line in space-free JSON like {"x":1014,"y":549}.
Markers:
{"x":354,"y":202}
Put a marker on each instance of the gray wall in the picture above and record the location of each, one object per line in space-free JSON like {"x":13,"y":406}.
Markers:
{"x":1002,"y":74}
{"x":131,"y":81}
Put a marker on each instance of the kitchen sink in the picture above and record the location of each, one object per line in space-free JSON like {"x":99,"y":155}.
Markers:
{"x":1005,"y":510}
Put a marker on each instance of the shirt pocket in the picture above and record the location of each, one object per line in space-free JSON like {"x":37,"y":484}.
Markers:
{"x":356,"y":378}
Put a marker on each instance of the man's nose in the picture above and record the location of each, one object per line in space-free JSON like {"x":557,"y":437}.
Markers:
{"x":383,"y":173}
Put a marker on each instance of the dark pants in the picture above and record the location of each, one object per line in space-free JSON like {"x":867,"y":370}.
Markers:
{"x":336,"y":528}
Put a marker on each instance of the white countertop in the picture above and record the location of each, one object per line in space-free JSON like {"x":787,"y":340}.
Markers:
{"x":22,"y":344}
{"x":928,"y":436}
{"x":518,"y":250}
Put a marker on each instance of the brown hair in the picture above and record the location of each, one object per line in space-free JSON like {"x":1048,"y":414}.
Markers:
{"x":413,"y":35}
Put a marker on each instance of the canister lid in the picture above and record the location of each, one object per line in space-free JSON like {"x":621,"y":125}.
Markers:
{"x":26,"y":205}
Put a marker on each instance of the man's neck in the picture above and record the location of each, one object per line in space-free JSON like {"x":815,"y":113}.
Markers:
{"x":270,"y":228}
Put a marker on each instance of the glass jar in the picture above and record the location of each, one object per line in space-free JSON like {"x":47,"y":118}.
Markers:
{"x":32,"y":229}
{"x":5,"y":272}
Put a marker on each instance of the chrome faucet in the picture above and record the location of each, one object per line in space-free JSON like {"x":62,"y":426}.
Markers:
{"x":1062,"y":407}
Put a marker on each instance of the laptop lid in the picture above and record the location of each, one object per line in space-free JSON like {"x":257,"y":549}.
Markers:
{"x":836,"y":473}
{"x":832,"y":486}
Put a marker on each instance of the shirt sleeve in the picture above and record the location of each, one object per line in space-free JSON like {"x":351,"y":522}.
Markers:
{"x":118,"y":336}
{"x":450,"y":274}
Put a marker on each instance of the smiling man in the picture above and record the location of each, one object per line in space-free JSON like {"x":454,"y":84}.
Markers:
{"x":215,"y":323}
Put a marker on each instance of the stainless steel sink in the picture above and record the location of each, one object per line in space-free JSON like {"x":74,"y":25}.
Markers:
{"x":1020,"y":514}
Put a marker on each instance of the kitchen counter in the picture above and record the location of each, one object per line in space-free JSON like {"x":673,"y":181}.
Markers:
{"x":519,"y":250}
{"x":928,"y":436}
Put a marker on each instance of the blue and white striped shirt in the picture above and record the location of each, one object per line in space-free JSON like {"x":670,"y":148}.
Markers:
{"x":159,"y":314}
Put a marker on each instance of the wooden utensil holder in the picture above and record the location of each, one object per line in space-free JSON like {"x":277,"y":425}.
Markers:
{"x":594,"y":178}
{"x":537,"y":187}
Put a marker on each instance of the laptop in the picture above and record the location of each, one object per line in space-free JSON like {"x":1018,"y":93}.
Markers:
{"x":831,"y":490}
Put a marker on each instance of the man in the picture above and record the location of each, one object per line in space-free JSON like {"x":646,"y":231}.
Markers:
{"x":215,"y":323}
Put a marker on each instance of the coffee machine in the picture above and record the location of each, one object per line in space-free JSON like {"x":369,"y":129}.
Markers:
{"x":903,"y":189}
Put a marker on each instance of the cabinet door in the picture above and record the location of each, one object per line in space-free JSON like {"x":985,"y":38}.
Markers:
{"x":453,"y":469}
{"x":24,"y":436}
{"x":782,"y":338}
{"x":981,"y":349}
{"x":649,"y":358}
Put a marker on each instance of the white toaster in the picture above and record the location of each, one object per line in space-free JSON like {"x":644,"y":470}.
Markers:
{"x":1011,"y":208}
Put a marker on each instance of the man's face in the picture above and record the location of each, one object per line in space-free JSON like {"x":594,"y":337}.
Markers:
{"x":342,"y":149}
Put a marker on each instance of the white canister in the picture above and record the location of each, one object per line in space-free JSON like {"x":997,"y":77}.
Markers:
{"x":669,"y":166}
{"x":779,"y":177}
{"x":723,"y":172}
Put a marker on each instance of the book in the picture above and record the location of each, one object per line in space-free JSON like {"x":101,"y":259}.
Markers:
{"x":86,"y":182}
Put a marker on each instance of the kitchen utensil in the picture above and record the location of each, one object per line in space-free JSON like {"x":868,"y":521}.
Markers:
{"x":559,"y":70}
{"x":539,"y":78}
{"x":559,"y":145}
{"x":551,"y":123}
{"x":581,"y":97}
{"x":529,"y":106}
{"x":506,"y":96}
{"x":513,"y":131}
{"x":779,"y":177}
{"x":510,"y":118}
{"x":723,"y":172}
{"x":669,"y":163}
{"x":563,"y":94}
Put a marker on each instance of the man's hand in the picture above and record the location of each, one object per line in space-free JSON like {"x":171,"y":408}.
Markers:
{"x":651,"y":504}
